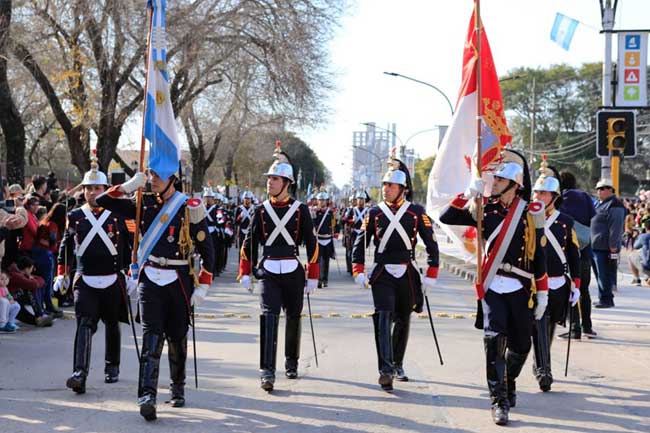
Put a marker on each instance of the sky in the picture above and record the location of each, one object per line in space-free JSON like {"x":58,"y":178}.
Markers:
{"x":424,"y":39}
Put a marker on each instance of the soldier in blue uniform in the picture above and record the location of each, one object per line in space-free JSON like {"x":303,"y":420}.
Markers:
{"x":353,"y":218}
{"x":397,"y":290}
{"x":279,"y":225}
{"x":224,"y":222}
{"x":563,"y":267}
{"x":172,"y":227}
{"x":99,"y":241}
{"x":243,"y":217}
{"x":324,"y":222}
{"x":209,"y":196}
{"x":514,"y":275}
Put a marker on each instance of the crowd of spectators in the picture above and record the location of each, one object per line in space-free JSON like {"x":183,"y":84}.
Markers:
{"x":32,"y":220}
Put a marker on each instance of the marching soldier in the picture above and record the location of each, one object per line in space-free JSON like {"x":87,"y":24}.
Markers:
{"x":563,"y":267}
{"x":325,"y":222}
{"x":225,"y":226}
{"x":280,"y":224}
{"x":99,"y":241}
{"x":354,"y":217}
{"x":244,"y":216}
{"x":168,"y":289}
{"x":513,"y":274}
{"x":397,"y":290}
{"x":211,"y":219}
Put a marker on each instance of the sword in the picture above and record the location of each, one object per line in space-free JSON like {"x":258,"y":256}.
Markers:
{"x":311,"y":324}
{"x":196,"y":374}
{"x":568,"y":344}
{"x":433,"y":330}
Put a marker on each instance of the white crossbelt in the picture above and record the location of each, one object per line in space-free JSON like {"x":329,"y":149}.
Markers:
{"x":280,"y":224}
{"x":245,"y":213}
{"x":551,"y":237}
{"x":96,"y":230}
{"x":359,"y":215}
{"x":211,"y":228}
{"x":394,"y":224}
{"x":322,"y":221}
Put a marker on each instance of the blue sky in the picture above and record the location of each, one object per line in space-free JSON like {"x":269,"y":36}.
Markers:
{"x":424,"y":39}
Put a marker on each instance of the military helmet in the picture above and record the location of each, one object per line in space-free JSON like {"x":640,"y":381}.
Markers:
{"x":208,"y":192}
{"x":398,"y":173}
{"x":546,"y":180}
{"x":281,"y":165}
{"x":94,"y":176}
{"x":248,"y":194}
{"x":322,"y":194}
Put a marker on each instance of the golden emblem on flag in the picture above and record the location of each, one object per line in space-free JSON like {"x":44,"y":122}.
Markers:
{"x":160,"y":97}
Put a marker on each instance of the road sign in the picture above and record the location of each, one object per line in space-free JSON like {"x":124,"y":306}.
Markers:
{"x":616,"y":131}
{"x":632,"y":59}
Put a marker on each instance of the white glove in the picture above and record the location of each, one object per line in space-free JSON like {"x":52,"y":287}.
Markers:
{"x":246,"y":283}
{"x":137,"y":181}
{"x":131,"y":287}
{"x":199,"y":295}
{"x":310,"y":287}
{"x":360,"y":279}
{"x":575,"y":296}
{"x":542,"y":302}
{"x":475,"y":188}
{"x":428,"y":284}
{"x":60,"y":282}
{"x":228,"y":231}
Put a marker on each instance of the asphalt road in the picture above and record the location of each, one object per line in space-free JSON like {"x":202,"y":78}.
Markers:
{"x":607,"y":388}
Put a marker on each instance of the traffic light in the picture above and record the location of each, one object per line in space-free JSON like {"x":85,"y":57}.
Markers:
{"x":616,"y":131}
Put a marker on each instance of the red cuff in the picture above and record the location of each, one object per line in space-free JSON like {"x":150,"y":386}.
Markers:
{"x":459,"y":202}
{"x":577,"y":281}
{"x":542,"y":284}
{"x":313,"y":271}
{"x":205,"y":277}
{"x":244,"y":267}
{"x":62,"y":270}
{"x":358,"y":268}
{"x":432,"y":272}
{"x":115,"y":191}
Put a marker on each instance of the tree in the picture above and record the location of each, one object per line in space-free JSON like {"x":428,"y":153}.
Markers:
{"x":11,"y":123}
{"x":420,"y":178}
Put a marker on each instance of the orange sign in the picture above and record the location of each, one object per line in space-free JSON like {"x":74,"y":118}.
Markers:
{"x":632,"y":59}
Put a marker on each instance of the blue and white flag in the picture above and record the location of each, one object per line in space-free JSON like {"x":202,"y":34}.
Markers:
{"x":159,"y":122}
{"x":563,"y":29}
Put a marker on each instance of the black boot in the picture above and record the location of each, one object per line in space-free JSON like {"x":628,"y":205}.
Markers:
{"x":152,"y":345}
{"x":292,"y":346}
{"x":112,"y":356}
{"x":400,"y":340}
{"x":381,"y":320}
{"x":177,"y":354}
{"x":495,"y":349}
{"x":268,"y":349}
{"x":541,"y":344}
{"x":515,"y":362}
{"x":82,"y":348}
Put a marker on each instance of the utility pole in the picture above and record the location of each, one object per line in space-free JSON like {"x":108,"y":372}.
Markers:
{"x":607,"y":14}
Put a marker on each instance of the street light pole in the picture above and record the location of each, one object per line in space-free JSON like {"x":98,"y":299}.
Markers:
{"x":395,"y":74}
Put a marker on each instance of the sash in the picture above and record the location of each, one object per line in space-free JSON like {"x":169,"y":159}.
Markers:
{"x":280,"y":224}
{"x":245,"y":213}
{"x":159,"y":225}
{"x":493,"y":258}
{"x":96,"y":230}
{"x":394,"y":224}
{"x":327,"y":211}
{"x":359,"y":215}
{"x":552,"y":239}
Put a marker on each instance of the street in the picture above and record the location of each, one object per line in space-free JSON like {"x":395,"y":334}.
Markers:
{"x":607,"y":388}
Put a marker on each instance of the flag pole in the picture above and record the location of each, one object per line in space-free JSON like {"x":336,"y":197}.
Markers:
{"x":138,"y":200}
{"x":479,"y":153}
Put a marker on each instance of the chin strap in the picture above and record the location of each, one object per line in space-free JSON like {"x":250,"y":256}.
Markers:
{"x":169,"y":184}
{"x":508,"y":188}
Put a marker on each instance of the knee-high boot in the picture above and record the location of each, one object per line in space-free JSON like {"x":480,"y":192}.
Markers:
{"x":268,"y":349}
{"x":382,"y":324}
{"x":292,"y":346}
{"x":400,"y":340}
{"x":177,"y":353}
{"x":82,"y":349}
{"x":515,"y":362}
{"x":113,"y":339}
{"x":495,"y":349}
{"x":541,"y":344}
{"x":152,"y":345}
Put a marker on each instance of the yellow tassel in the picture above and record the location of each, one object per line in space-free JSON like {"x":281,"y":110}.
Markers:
{"x":533,"y":290}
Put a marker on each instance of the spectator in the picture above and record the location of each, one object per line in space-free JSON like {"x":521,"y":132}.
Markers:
{"x":16,"y":191}
{"x":639,"y":259}
{"x":9,"y":308}
{"x":630,"y":228}
{"x":23,"y":287}
{"x":606,"y":239}
{"x":41,"y":254}
{"x":29,"y":231}
{"x":49,"y":236}
{"x":579,"y":205}
{"x":40,"y":191}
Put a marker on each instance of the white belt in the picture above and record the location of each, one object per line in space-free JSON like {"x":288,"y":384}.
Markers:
{"x":324,"y":236}
{"x":358,"y":230}
{"x":507,"y":267}
{"x":245,"y":231}
{"x":164,"y":261}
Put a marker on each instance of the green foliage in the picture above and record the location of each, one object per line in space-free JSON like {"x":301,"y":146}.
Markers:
{"x":420,"y":178}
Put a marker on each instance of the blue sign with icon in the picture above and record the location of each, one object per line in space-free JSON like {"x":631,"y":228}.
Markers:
{"x":632,"y":42}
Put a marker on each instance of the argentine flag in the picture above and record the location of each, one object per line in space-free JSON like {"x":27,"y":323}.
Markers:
{"x":159,"y":122}
{"x":563,"y":30}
